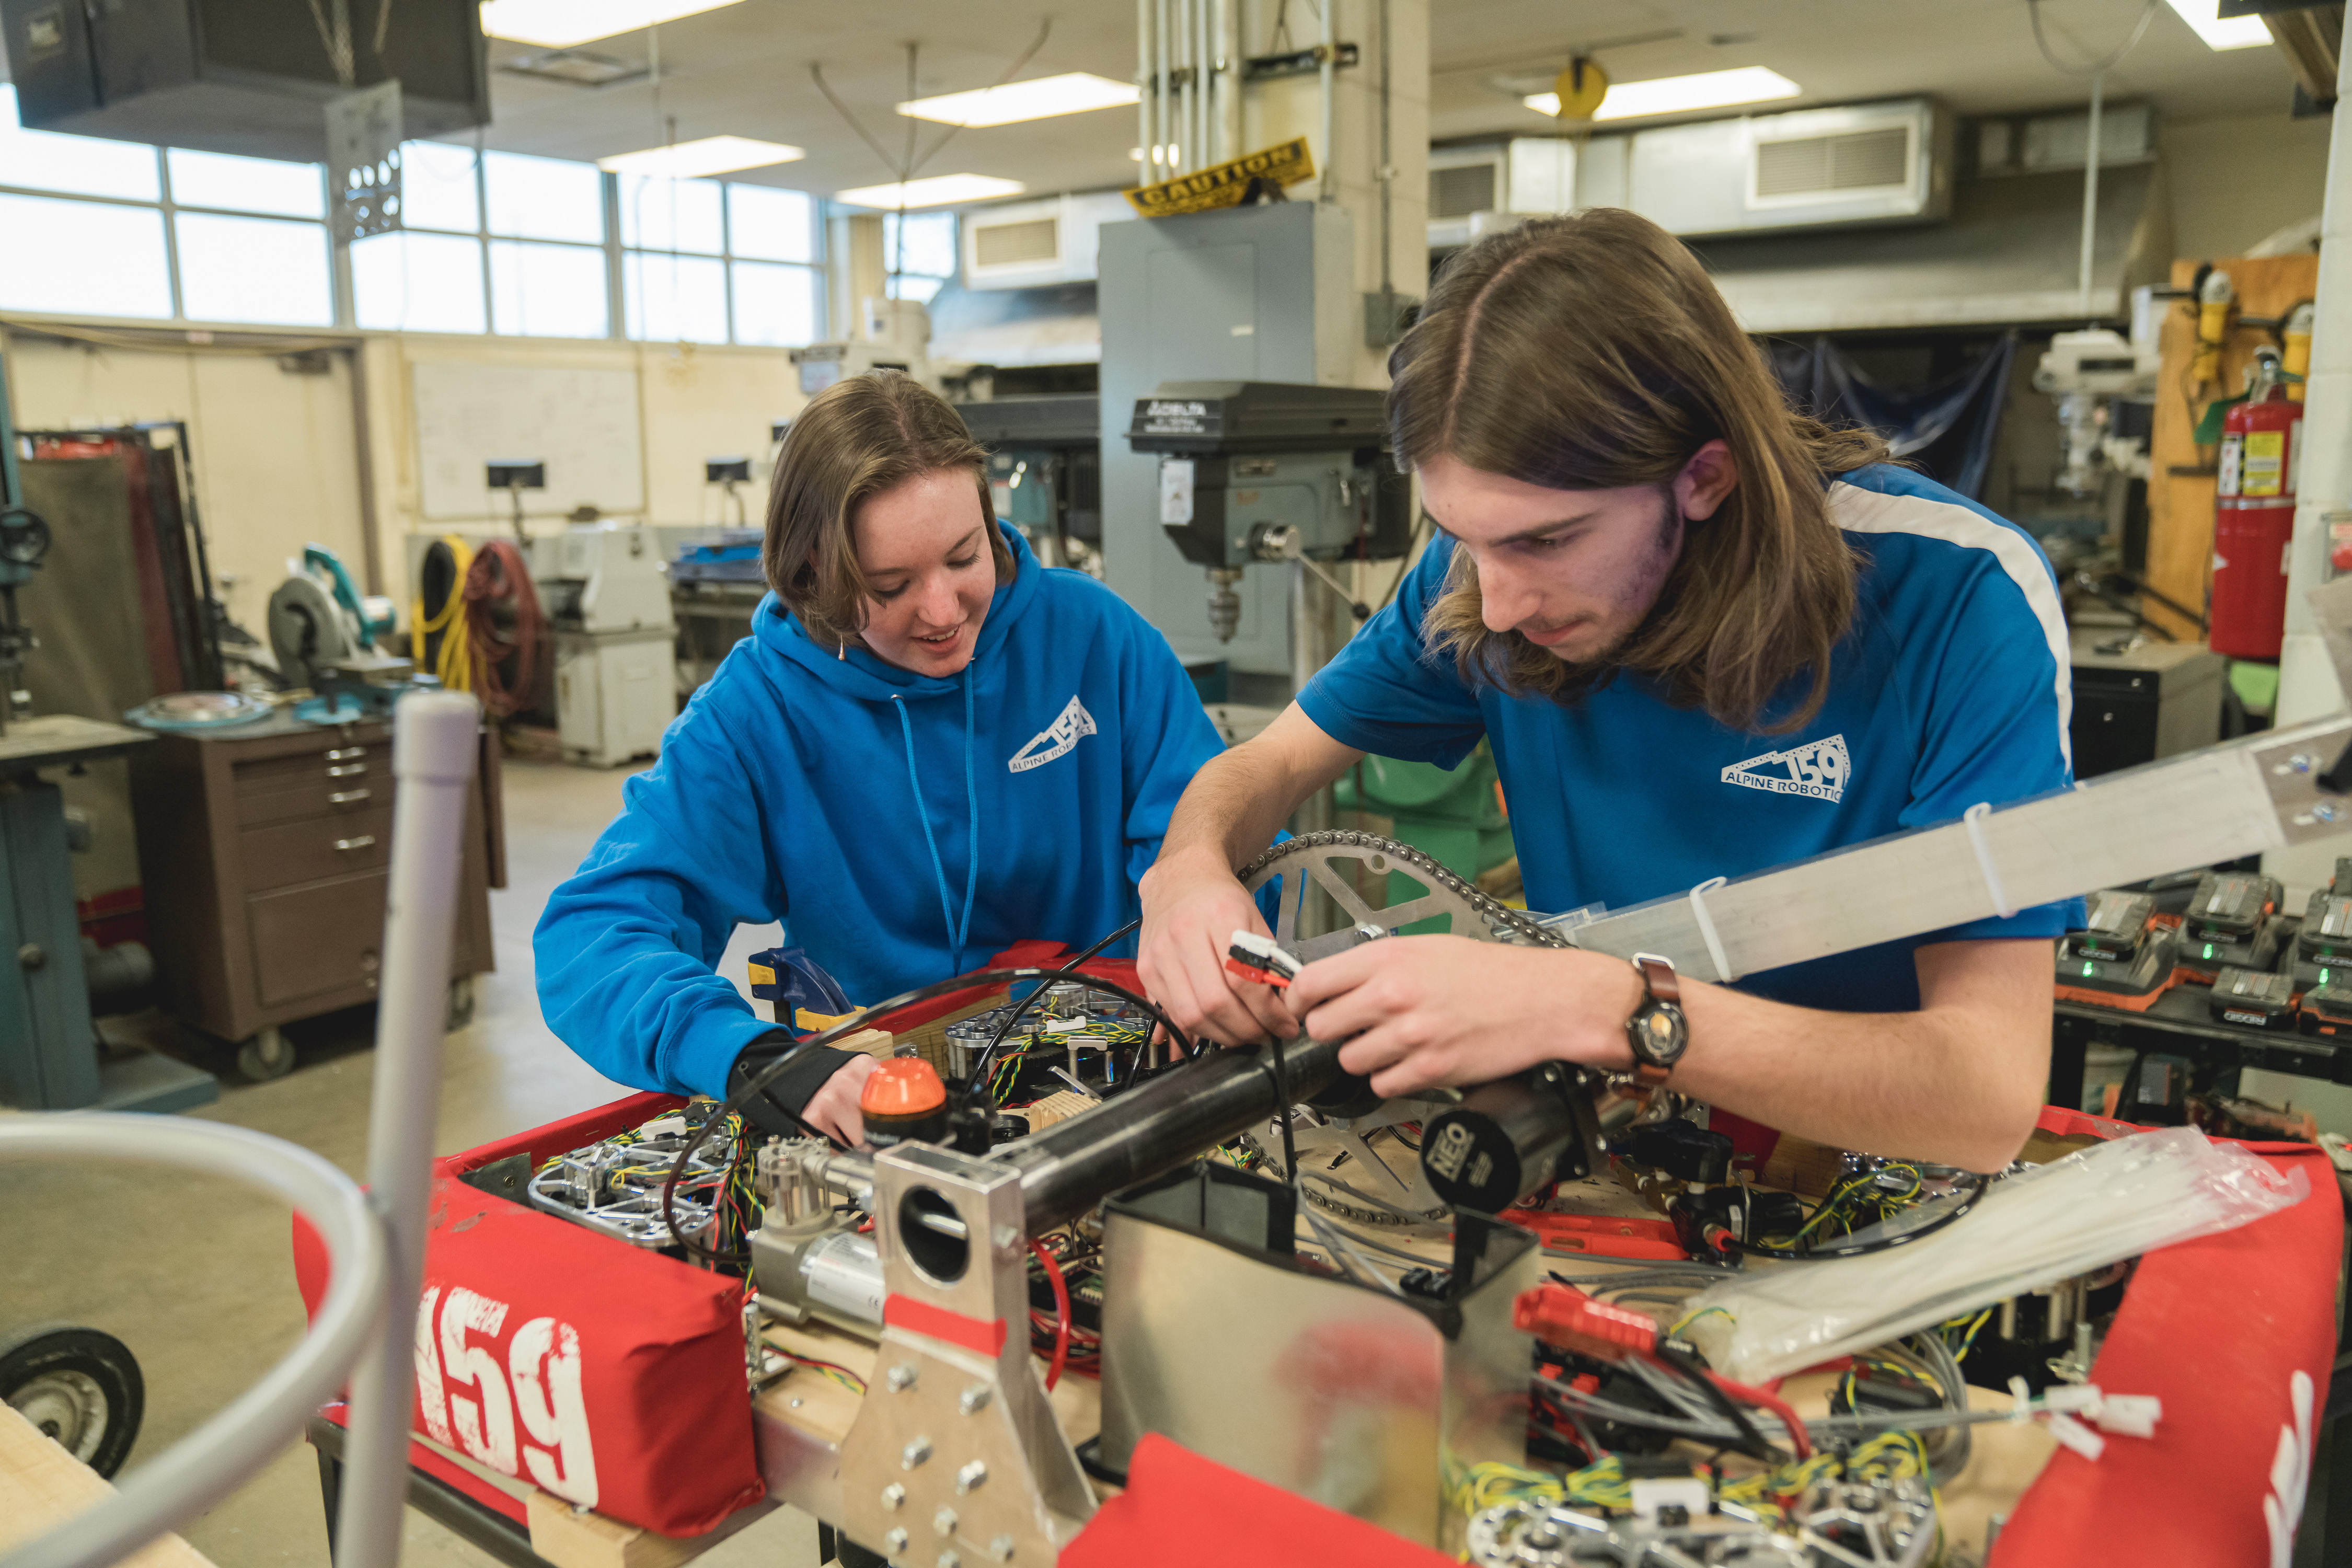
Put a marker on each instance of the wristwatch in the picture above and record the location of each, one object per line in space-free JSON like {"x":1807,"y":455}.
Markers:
{"x":1657,"y":1030}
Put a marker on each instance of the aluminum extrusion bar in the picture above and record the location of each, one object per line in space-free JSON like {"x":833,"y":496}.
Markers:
{"x":2240,"y":798}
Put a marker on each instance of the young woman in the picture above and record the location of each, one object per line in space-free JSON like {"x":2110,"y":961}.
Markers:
{"x":1707,"y":637}
{"x":931,"y":747}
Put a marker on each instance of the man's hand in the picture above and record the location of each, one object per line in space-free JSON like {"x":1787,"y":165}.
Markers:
{"x":1429,"y":1010}
{"x":833,"y":1109}
{"x":1191,"y":910}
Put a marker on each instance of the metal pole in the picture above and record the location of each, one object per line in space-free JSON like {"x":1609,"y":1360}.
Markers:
{"x":1204,"y":73}
{"x":194,"y":1473}
{"x":1329,"y":183}
{"x":12,"y":484}
{"x":1307,"y":655}
{"x":436,"y":737}
{"x":1161,"y":118}
{"x":1387,"y":173}
{"x":2091,"y":188}
{"x":1147,"y":135}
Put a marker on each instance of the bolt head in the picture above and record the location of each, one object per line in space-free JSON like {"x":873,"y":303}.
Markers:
{"x":897,"y":1541}
{"x":971,"y":1477}
{"x":949,"y":1559}
{"x":944,"y":1522}
{"x":900,"y":1378}
{"x":893,"y":1496}
{"x":914,"y":1453}
{"x":1001,"y":1548}
{"x":974,"y":1399}
{"x":1008,"y":1237}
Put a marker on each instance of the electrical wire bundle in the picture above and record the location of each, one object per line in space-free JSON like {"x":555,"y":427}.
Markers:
{"x":1056,"y":1335}
{"x":498,"y":577}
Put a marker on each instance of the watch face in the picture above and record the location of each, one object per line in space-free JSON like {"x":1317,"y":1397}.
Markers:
{"x":1659,"y":1035}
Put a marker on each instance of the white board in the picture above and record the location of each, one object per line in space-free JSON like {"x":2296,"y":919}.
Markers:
{"x":583,"y":424}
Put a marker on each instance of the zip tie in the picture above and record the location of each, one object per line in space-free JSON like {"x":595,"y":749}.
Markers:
{"x":1973,"y":819}
{"x":1706,"y":926}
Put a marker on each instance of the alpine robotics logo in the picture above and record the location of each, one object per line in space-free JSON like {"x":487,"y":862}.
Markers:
{"x":1055,"y":740}
{"x":1818,"y":768}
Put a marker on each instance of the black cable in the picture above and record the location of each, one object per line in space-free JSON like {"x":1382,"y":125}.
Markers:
{"x":988,"y":1052}
{"x":757,"y":1084}
{"x":1960,"y":1205}
{"x":1751,"y":1442}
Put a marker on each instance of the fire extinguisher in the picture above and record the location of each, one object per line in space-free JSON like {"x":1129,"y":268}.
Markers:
{"x":2253,"y":524}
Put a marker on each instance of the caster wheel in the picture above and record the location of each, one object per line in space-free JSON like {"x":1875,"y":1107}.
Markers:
{"x":79,"y":1386}
{"x":267,"y":1055}
{"x":461,"y":1004}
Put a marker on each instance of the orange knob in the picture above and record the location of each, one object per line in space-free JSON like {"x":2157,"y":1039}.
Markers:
{"x":903,"y":1086}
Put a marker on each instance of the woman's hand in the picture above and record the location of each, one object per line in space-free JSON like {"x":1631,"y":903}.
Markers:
{"x":833,"y":1109}
{"x":1429,"y":1010}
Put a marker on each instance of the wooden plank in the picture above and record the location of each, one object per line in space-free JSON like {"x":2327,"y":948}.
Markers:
{"x":572,"y":1537}
{"x":41,"y":1485}
{"x":2181,"y":504}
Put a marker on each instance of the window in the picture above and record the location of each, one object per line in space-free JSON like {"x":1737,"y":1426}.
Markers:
{"x":494,"y":242}
{"x":77,"y":166}
{"x":416,"y":282}
{"x":83,"y":259}
{"x":711,"y":262}
{"x":253,"y":269}
{"x":547,"y":291}
{"x":919,"y":252}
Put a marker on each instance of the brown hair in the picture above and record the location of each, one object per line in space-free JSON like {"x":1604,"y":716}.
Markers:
{"x":859,"y":438}
{"x":1592,"y":353}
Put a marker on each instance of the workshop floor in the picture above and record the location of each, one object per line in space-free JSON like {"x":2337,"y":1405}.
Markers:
{"x":195,"y":1276}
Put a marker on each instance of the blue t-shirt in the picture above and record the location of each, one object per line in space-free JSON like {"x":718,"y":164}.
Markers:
{"x":1952,"y":686}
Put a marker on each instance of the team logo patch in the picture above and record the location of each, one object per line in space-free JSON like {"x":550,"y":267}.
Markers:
{"x":1055,"y":740}
{"x":1818,"y":768}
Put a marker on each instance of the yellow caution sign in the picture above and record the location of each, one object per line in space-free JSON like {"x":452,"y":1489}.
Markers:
{"x":1223,"y":185}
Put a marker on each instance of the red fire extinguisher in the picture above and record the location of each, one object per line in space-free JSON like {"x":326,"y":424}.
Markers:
{"x":2253,"y":524}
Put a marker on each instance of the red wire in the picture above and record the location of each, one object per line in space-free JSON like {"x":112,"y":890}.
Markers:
{"x":1745,"y":1394}
{"x":1061,"y":1314}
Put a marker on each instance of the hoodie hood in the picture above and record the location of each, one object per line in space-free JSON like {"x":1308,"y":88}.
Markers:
{"x":856,"y":673}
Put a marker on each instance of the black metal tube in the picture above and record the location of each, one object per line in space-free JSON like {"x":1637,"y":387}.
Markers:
{"x":1070,"y":1168}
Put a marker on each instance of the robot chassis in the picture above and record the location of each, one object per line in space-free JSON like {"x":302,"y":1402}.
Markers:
{"x":955,"y":1455}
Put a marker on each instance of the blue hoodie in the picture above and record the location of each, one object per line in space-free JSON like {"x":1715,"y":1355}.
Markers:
{"x":902,"y":826}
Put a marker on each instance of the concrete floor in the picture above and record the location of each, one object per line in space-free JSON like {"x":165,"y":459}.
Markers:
{"x":195,"y":1274}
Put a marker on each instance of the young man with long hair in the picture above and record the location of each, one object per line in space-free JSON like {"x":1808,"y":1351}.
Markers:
{"x":1706,"y":635}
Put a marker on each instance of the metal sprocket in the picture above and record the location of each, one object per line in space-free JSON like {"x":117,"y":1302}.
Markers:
{"x":1308,"y":858}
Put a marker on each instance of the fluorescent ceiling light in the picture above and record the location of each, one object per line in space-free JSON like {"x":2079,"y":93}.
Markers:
{"x":1040,"y":99}
{"x":560,"y":24}
{"x":936,"y":190}
{"x":1680,"y":94}
{"x":710,"y":156}
{"x":2221,"y":32}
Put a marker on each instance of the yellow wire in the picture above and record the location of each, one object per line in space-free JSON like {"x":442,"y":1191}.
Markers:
{"x":454,"y":667}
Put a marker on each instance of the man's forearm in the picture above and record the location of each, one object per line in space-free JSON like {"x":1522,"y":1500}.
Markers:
{"x":1947,"y":1084}
{"x":1234,"y":807}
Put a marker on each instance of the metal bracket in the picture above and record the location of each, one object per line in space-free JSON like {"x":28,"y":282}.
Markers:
{"x":956,"y":1459}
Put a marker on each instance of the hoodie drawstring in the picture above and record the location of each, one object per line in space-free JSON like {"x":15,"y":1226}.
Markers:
{"x":957,"y":931}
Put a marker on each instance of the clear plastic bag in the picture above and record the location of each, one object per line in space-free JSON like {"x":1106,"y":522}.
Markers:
{"x":2094,"y":1208}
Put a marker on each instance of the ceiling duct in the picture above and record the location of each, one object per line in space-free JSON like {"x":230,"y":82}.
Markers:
{"x":1025,"y":245}
{"x":250,"y":76}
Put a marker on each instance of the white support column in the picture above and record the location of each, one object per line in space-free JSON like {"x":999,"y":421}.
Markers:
{"x":2307,"y":686}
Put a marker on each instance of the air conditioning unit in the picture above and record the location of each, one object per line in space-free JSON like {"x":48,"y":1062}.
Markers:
{"x":1810,"y":168}
{"x":1474,"y":191}
{"x":1025,"y":244}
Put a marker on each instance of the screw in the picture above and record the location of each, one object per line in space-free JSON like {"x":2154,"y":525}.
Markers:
{"x":1001,"y":1548}
{"x":1008,"y":1237}
{"x":944,"y":1522}
{"x":914,"y":1453}
{"x":896,"y":1541}
{"x":901,"y":1378}
{"x":974,"y":1399}
{"x":796,"y":1402}
{"x":971,"y":1477}
{"x":949,"y":1559}
{"x":893,"y":1496}
{"x":2302,"y":762}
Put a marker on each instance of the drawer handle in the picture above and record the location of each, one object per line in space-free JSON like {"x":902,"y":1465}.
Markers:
{"x":363,"y":841}
{"x":345,"y":754}
{"x":348,"y":796}
{"x":349,"y":770}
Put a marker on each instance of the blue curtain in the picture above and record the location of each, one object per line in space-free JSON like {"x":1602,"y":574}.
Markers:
{"x":1946,"y":431}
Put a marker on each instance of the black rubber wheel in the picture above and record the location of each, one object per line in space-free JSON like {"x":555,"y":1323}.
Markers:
{"x":79,"y":1386}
